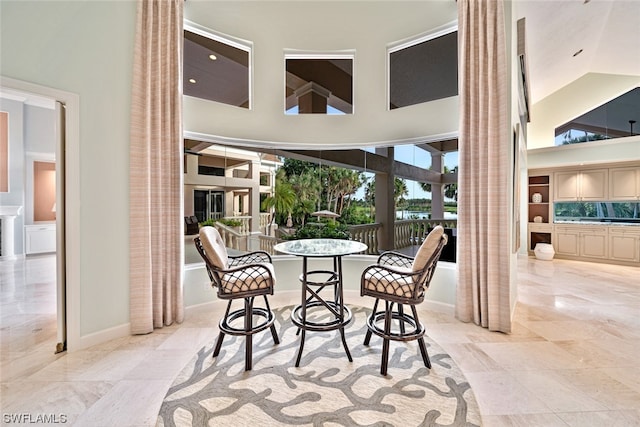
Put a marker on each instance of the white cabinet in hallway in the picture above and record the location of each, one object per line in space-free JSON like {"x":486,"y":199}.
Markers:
{"x":40,"y":238}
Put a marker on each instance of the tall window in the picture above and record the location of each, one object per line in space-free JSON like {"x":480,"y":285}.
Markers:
{"x":216,"y":68}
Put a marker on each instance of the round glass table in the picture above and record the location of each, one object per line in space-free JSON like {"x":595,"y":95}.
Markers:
{"x":335,"y":315}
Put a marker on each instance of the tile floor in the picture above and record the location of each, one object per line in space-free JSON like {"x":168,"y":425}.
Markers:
{"x":571,"y":360}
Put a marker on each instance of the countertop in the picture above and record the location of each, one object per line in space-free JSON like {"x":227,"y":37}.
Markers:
{"x":596,"y":222}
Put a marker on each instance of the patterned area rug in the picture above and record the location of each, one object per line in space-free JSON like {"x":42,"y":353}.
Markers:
{"x":326,"y":390}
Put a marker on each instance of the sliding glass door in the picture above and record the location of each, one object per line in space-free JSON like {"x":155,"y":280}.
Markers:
{"x":208,"y":204}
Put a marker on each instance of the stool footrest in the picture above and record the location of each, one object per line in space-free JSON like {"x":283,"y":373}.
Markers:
{"x":225,"y":323}
{"x":416,"y":331}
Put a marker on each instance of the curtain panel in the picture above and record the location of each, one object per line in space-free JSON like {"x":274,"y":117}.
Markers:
{"x":155,"y":196}
{"x":483,"y":287}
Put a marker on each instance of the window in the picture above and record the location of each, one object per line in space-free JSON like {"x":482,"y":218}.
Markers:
{"x":216,"y":68}
{"x":319,"y":84}
{"x":423,"y":69}
{"x":617,"y":118}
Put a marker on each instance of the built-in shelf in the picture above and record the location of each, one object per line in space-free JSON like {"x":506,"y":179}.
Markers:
{"x":539,"y":210}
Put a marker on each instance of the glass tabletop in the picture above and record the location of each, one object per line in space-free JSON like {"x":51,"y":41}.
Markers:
{"x":320,"y":247}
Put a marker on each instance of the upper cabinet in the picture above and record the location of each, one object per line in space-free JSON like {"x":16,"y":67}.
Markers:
{"x":581,"y":185}
{"x":624,"y":183}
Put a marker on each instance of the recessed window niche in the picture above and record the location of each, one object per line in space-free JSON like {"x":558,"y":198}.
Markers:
{"x":319,"y":84}
{"x":423,"y":69}
{"x":216,"y":68}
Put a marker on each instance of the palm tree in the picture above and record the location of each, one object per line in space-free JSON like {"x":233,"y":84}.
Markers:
{"x":370,"y":196}
{"x":400,"y":190}
{"x":306,"y":187}
{"x":284,"y":197}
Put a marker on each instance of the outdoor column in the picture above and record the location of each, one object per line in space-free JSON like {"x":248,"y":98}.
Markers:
{"x":437,"y":190}
{"x":385,"y":208}
{"x":254,"y":197}
{"x":312,"y":98}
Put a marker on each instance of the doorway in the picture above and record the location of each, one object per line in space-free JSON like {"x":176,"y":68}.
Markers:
{"x":41,"y":258}
{"x":208,"y":204}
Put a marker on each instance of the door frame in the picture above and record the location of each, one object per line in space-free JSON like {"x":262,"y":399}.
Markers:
{"x":70,"y":199}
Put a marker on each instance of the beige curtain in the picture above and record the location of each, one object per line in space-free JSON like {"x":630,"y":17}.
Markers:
{"x":483,"y":288}
{"x":155,"y":199}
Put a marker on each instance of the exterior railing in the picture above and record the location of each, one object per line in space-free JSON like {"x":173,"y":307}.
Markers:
{"x":367,"y":234}
{"x":265,"y":219}
{"x":267,"y":243}
{"x":232,"y":238}
{"x":410,"y":232}
{"x":245,"y":223}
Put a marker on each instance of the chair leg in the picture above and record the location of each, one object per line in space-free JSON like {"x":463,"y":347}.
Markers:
{"x":385,"y":341}
{"x":248,"y":325}
{"x":216,"y":351}
{"x":367,"y":337}
{"x":274,"y":333}
{"x":421,"y":344}
{"x":401,"y":318}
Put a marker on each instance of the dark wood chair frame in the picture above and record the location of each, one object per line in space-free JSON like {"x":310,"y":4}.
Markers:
{"x":245,"y":264}
{"x":386,"y":269}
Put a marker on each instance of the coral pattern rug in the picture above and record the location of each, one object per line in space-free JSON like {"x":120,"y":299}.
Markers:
{"x":326,"y":390}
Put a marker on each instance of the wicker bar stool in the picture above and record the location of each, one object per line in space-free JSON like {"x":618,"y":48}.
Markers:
{"x":400,"y":280}
{"x":239,"y":277}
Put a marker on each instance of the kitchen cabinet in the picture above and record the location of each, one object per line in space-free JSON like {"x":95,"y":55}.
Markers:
{"x":624,"y":244}
{"x":584,"y":185}
{"x":584,"y":242}
{"x":624,"y":183}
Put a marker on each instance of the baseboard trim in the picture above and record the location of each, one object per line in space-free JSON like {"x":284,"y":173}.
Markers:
{"x":103,"y":336}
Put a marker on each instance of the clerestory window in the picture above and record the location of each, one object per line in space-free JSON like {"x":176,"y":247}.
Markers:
{"x":618,"y":118}
{"x":423,"y":69}
{"x":216,"y":67}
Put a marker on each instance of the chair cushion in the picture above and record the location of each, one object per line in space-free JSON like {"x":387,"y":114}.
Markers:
{"x":383,"y":281}
{"x":427,"y":248}
{"x":214,"y":247}
{"x":249,"y":278}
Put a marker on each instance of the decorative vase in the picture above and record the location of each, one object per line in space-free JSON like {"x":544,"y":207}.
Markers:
{"x":536,"y":198}
{"x":544,"y":251}
{"x":537,"y":219}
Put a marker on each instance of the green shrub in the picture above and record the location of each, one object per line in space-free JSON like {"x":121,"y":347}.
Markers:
{"x":330,"y":230}
{"x":226,"y":221}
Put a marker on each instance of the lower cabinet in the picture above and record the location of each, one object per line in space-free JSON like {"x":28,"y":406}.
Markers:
{"x":585,"y":242}
{"x":40,"y":238}
{"x":566,"y":241}
{"x":624,"y":244}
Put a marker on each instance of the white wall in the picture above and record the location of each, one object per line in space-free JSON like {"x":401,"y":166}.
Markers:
{"x":367,"y":28}
{"x":591,"y":153}
{"x":86,"y":48}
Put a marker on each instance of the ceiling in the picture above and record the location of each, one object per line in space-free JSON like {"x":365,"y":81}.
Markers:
{"x":607,"y":33}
